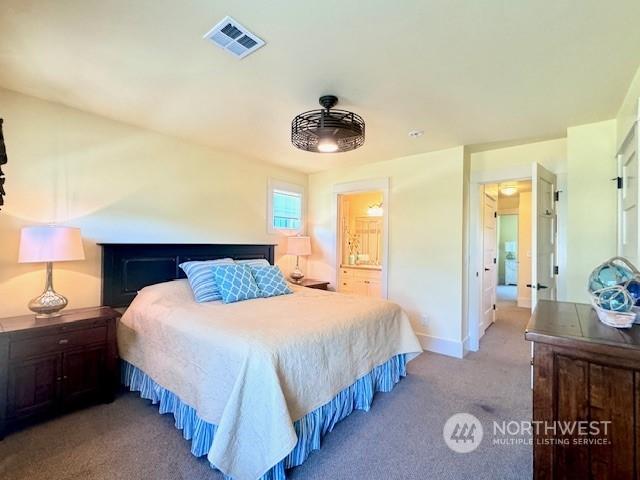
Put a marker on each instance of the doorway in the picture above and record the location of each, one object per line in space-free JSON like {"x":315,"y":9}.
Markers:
{"x":507,"y":289}
{"x":506,"y":246}
{"x":536,"y":247}
{"x":362,"y":232}
{"x":505,"y":250}
{"x":360,"y":238}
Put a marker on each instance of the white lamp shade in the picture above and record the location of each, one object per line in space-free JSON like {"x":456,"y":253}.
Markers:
{"x":299,"y":245}
{"x":50,"y":244}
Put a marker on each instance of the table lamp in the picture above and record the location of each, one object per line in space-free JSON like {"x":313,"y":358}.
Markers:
{"x":49,"y":244}
{"x":298,"y":246}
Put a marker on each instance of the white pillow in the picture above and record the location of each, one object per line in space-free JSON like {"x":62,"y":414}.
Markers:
{"x":254,"y":262}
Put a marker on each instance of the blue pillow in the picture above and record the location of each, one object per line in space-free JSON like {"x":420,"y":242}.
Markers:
{"x":270,"y":281}
{"x":201,"y":279}
{"x":235,"y":283}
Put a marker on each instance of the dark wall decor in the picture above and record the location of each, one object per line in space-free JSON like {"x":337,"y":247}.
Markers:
{"x":3,"y":160}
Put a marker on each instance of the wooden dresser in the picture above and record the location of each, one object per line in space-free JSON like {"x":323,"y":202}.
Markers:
{"x":54,"y":365}
{"x":583,"y":371}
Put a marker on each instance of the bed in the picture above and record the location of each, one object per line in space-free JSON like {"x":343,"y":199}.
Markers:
{"x":253,"y":385}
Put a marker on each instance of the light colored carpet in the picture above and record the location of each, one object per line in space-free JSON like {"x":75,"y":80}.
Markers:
{"x":400,"y":438}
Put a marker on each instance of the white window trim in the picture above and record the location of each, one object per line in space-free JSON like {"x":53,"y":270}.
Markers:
{"x":275,"y":184}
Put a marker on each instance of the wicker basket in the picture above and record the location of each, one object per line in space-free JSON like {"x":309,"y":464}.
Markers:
{"x":614,"y":319}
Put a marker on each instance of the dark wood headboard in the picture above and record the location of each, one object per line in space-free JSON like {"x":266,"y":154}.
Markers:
{"x":128,"y":267}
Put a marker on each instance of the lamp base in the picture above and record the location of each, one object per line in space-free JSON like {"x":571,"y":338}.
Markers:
{"x":48,"y":305}
{"x":296,"y":275}
{"x":47,"y":316}
{"x":50,"y":302}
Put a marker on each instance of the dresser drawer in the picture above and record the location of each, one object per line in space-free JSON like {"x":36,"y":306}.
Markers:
{"x":371,"y":275}
{"x":345,"y":285}
{"x":30,"y":347}
{"x":346,"y":272}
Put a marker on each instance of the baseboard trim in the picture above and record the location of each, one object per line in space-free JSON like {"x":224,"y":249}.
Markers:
{"x":483,"y":327}
{"x":443,"y":346}
{"x":524,"y":302}
{"x":466,"y":345}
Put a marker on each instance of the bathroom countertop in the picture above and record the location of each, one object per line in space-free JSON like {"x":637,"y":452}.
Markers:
{"x":363,"y":267}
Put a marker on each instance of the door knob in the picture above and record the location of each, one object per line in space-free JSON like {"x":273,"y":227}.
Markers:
{"x":487,"y":269}
{"x":541,"y":287}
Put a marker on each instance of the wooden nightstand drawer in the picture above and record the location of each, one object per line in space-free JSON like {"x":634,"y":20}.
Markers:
{"x":35,"y":346}
{"x":311,"y":283}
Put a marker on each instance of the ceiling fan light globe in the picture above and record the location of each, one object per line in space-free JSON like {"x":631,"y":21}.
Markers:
{"x":327,"y":145}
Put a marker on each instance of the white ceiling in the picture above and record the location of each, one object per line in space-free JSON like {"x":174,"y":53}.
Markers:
{"x":467,"y":72}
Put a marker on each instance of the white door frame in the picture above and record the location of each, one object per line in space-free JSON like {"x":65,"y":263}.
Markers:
{"x":619,"y":206}
{"x":361,"y":186}
{"x":474,"y":280}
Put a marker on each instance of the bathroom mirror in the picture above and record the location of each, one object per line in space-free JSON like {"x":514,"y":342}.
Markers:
{"x":369,"y":230}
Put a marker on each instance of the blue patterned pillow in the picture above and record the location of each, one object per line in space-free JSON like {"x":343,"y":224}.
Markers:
{"x":235,"y":283}
{"x":201,"y":279}
{"x":270,"y":281}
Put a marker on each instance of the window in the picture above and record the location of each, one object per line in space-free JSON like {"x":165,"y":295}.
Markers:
{"x":285,"y":207}
{"x":287,"y":210}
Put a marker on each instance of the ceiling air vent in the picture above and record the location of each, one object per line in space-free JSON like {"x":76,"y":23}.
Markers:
{"x":234,"y":38}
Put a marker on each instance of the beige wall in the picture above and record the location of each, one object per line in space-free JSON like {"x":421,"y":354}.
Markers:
{"x":628,"y":112}
{"x":359,"y":205}
{"x":524,"y":249}
{"x":551,"y":154}
{"x":591,"y":198}
{"x":425,"y":238}
{"x":508,"y":204}
{"x":119,"y":184}
{"x":466,"y":240}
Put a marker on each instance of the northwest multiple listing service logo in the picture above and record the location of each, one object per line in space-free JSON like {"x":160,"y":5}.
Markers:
{"x":463,"y":432}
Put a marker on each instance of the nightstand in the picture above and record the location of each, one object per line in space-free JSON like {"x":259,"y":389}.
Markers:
{"x":49,"y":366}
{"x":311,"y":283}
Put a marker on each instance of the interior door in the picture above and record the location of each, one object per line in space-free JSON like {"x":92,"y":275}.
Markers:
{"x":544,"y":232}
{"x":628,"y":199}
{"x":489,"y":256}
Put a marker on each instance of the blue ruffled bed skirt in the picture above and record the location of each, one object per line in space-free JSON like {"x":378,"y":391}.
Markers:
{"x":310,"y":429}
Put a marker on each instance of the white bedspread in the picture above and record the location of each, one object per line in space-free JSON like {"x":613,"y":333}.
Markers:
{"x":252,"y":368}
